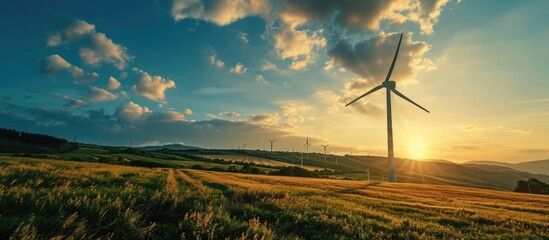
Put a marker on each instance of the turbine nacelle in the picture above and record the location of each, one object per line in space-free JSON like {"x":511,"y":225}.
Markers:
{"x":389,"y":84}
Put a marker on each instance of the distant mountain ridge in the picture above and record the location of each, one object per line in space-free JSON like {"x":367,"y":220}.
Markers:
{"x":536,"y":166}
{"x":174,"y":146}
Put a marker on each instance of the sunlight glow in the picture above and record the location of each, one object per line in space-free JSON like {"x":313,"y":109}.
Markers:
{"x":416,"y":149}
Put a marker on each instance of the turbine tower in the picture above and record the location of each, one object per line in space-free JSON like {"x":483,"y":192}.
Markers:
{"x":307,"y":147}
{"x":391,"y":87}
{"x":325,"y":146}
{"x":272,"y":141}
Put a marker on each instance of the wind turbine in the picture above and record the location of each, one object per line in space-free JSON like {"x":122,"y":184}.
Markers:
{"x":325,"y":146}
{"x":307,"y":147}
{"x":272,"y":141}
{"x":391,"y":87}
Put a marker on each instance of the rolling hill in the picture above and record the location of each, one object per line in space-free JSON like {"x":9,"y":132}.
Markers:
{"x":538,"y":166}
{"x":52,"y":199}
{"x":167,"y":146}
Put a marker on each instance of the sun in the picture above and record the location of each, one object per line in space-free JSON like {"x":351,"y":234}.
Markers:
{"x":416,"y":149}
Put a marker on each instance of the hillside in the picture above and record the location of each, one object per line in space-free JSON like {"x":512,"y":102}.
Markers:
{"x":337,"y":167}
{"x":168,"y":147}
{"x":539,"y":166}
{"x":63,"y":199}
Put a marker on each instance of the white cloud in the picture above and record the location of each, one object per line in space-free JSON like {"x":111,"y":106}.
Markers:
{"x":113,"y":84}
{"x":152,"y":87}
{"x":244,"y":37}
{"x":263,"y":119}
{"x":53,"y":65}
{"x":329,"y":65}
{"x":239,"y":68}
{"x":167,"y":116}
{"x":261,"y":79}
{"x":229,"y":114}
{"x":216,"y":62}
{"x":298,"y":45}
{"x":220,"y":12}
{"x":213,"y":116}
{"x":123,"y":94}
{"x":293,"y":110}
{"x":95,"y":47}
{"x":268,"y":66}
{"x":188,"y":111}
{"x":132,"y":113}
{"x":102,"y":49}
{"x":82,"y":77}
{"x":68,"y":31}
{"x":97,"y":95}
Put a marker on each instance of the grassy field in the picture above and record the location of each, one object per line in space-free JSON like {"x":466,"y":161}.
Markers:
{"x":51,"y":199}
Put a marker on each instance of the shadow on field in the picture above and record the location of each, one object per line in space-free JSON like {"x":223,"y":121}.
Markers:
{"x":356,"y":190}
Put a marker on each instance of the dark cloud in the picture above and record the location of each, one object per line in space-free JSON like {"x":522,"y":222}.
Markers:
{"x":372,"y":58}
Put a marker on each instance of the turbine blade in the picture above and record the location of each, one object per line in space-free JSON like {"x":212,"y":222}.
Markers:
{"x":364,"y":95}
{"x":394,"y":60}
{"x":407,"y":99}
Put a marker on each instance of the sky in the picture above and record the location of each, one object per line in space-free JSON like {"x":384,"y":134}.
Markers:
{"x":224,"y":73}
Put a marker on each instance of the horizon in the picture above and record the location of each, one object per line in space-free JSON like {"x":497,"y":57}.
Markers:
{"x":219,"y":76}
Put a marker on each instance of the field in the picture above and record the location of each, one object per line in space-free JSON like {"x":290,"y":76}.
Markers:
{"x":52,"y":199}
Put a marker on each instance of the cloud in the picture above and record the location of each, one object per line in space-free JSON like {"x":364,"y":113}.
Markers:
{"x":138,"y":124}
{"x":209,"y":115}
{"x":132,"y":113}
{"x":66,"y":31}
{"x":223,"y":114}
{"x":244,"y":37}
{"x":261,"y":79}
{"x":263,"y":119}
{"x":71,"y":103}
{"x":293,"y":110}
{"x":113,"y":83}
{"x":329,"y":65}
{"x":372,"y":58}
{"x":220,"y":12}
{"x":82,"y":77}
{"x":217,"y":91}
{"x":216,"y":62}
{"x":268,"y":66}
{"x":54,"y":65}
{"x":365,"y":15}
{"x":97,"y":95}
{"x":95,"y":47}
{"x":98,"y":48}
{"x":239,"y":68}
{"x":188,"y":111}
{"x":229,"y":114}
{"x":164,"y":117}
{"x":298,"y":45}
{"x":152,"y":87}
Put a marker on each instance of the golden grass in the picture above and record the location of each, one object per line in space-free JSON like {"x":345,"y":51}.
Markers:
{"x":76,"y":200}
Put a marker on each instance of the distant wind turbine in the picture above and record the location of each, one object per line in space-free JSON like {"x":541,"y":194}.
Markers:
{"x":325,"y":146}
{"x":272,"y":141}
{"x":390,"y":86}
{"x":307,"y":147}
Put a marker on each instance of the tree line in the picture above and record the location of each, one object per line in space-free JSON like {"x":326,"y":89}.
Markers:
{"x":35,"y":139}
{"x":532,"y":185}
